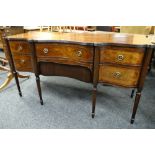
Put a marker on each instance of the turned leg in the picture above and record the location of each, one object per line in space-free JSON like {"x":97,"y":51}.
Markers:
{"x":39,"y":88}
{"x":17,"y":83}
{"x":132,"y":93}
{"x":137,"y":98}
{"x":94,"y":101}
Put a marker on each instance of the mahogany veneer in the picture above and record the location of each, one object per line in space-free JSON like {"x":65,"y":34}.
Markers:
{"x":119,"y":75}
{"x":19,"y":47}
{"x":94,"y":57}
{"x":65,"y":54}
{"x":119,"y":55}
{"x":23,"y":62}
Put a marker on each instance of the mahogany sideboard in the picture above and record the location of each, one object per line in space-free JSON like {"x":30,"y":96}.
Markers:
{"x":94,"y":57}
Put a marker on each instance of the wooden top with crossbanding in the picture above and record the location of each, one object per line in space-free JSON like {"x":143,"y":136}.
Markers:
{"x":88,"y":38}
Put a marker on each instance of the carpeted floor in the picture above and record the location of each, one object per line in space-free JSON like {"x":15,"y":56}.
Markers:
{"x":68,"y":105}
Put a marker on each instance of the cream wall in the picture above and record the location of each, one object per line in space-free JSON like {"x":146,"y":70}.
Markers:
{"x":137,"y":29}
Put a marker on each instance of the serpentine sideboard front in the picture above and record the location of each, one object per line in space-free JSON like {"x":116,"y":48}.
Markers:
{"x":93,"y":57}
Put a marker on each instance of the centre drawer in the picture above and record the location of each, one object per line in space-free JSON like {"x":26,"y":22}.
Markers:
{"x":122,"y":55}
{"x":69,"y":52}
{"x":119,"y":75}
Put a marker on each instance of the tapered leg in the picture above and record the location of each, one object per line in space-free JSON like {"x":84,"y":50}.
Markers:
{"x":137,"y":98}
{"x":17,"y":83}
{"x":94,"y":101}
{"x":132,"y":93}
{"x":39,"y":88}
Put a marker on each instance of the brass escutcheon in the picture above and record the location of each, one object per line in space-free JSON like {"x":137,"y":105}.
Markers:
{"x":45,"y":50}
{"x":117,"y":75}
{"x":20,"y":48}
{"x":79,"y":53}
{"x":120,"y":57}
{"x":22,"y":61}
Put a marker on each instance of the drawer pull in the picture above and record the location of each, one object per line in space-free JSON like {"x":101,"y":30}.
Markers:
{"x":117,"y":75}
{"x":79,"y":53}
{"x":20,"y":48}
{"x":22,"y":61}
{"x":45,"y":50}
{"x":120,"y":57}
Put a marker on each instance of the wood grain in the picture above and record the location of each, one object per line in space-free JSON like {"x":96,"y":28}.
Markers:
{"x":120,"y":55}
{"x":76,"y":72}
{"x":119,"y":75}
{"x":66,"y":52}
{"x":23,"y":63}
{"x":19,"y":47}
{"x":86,"y":38}
{"x":110,"y":58}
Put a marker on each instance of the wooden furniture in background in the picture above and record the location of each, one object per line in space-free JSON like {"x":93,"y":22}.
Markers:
{"x":146,"y":30}
{"x":31,"y":28}
{"x":116,"y":28}
{"x":104,"y":28}
{"x":109,"y":58}
{"x":66,"y":28}
{"x":1,"y":44}
{"x":6,"y":31}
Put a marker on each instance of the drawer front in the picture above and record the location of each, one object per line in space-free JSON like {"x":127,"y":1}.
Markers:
{"x":19,"y":47}
{"x":118,"y":55}
{"x":121,"y":76}
{"x":23,"y":63}
{"x":67,"y":52}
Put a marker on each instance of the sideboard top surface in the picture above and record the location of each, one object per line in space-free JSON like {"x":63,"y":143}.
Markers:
{"x":96,"y":38}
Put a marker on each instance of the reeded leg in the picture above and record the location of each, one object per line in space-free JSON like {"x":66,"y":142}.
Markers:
{"x":132,"y":93}
{"x":17,"y":82}
{"x":137,"y":98}
{"x":39,"y":88}
{"x":94,"y":101}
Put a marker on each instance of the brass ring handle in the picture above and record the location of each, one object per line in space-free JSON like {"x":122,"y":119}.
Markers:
{"x":20,"y":48}
{"x":22,"y":61}
{"x":79,"y":53}
{"x":117,"y":75}
{"x":45,"y":50}
{"x":120,"y":57}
